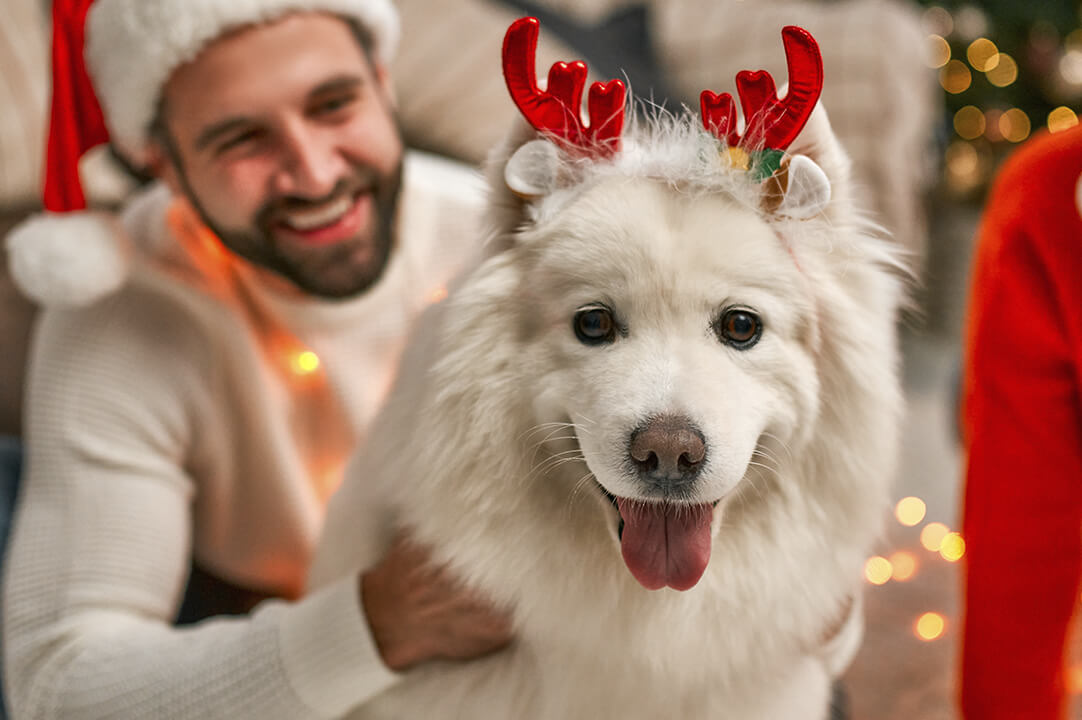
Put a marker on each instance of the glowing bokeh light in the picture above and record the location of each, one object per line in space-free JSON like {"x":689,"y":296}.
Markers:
{"x":991,"y":125}
{"x":904,"y":564}
{"x":1062,"y":118}
{"x":937,"y":51}
{"x":1070,"y":67}
{"x":953,"y":547}
{"x":938,"y":21}
{"x":305,"y":362}
{"x":438,"y":295}
{"x":877,"y":570}
{"x":955,"y":77}
{"x":983,"y":54}
{"x":964,"y":167}
{"x":1004,"y":73}
{"x":1015,"y":125}
{"x":931,"y":537}
{"x":910,"y":511}
{"x":969,"y":122}
{"x":930,"y":626}
{"x":970,"y":22}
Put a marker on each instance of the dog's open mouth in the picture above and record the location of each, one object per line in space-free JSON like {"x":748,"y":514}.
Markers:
{"x":664,"y":544}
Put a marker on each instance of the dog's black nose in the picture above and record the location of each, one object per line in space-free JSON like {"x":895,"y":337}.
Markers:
{"x":668,"y":452}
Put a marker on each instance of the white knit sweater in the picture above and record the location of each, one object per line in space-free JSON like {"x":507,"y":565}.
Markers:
{"x":170,"y":422}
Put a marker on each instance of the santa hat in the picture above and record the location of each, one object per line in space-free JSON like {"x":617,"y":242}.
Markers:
{"x":68,"y":256}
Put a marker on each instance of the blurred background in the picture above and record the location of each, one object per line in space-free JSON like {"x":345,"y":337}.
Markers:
{"x":929,"y":99}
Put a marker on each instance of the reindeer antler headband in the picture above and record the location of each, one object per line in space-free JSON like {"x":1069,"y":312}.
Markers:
{"x":770,"y":123}
{"x":556,"y":110}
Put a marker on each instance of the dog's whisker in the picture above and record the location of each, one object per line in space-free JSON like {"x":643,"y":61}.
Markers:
{"x":577,"y":489}
{"x":553,"y":461}
{"x":541,"y":426}
{"x":763,"y":454}
{"x":783,"y":445}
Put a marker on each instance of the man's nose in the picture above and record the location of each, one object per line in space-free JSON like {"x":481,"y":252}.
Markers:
{"x":311,"y":165}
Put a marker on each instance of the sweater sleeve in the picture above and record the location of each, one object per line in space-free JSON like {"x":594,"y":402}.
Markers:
{"x":101,"y":549}
{"x":1023,"y":496}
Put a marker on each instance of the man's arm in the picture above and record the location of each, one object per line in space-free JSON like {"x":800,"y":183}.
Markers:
{"x":1023,"y":501}
{"x":101,"y":550}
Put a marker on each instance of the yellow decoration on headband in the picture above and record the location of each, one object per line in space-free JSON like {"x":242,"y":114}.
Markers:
{"x":738,"y":157}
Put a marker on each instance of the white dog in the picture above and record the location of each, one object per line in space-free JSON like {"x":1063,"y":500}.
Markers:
{"x":658,"y":424}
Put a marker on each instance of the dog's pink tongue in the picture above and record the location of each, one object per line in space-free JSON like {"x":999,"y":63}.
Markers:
{"x":665,"y":544}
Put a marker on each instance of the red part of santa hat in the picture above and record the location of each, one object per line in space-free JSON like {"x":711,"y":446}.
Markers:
{"x":69,"y":257}
{"x":76,"y":123}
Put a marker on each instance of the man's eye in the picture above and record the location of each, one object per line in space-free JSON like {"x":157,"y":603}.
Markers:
{"x":236,"y":141}
{"x":333,"y":105}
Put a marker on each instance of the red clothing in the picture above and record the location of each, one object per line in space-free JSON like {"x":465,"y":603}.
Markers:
{"x":1022,"y":417}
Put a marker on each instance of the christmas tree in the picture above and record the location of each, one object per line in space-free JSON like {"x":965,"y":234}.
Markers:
{"x":1007,"y":69}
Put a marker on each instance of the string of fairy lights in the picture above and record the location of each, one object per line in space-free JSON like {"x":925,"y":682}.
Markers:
{"x":941,"y":544}
{"x":903,"y":565}
{"x":1004,"y":78}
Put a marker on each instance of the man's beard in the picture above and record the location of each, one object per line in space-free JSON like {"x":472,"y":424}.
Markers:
{"x":333,"y":271}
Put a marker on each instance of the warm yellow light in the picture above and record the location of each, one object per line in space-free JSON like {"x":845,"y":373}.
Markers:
{"x":955,"y":77}
{"x":305,"y":362}
{"x":877,"y":570}
{"x":910,"y":511}
{"x":1005,"y":71}
{"x":964,"y":167}
{"x":937,"y":51}
{"x":438,"y":295}
{"x":1015,"y":126}
{"x":969,"y":122}
{"x":930,"y":626}
{"x":983,"y":54}
{"x":937,"y":20}
{"x":1070,"y":66}
{"x":1073,"y":41}
{"x":904,"y":564}
{"x":931,"y":537}
{"x":953,"y":547}
{"x":1062,"y":118}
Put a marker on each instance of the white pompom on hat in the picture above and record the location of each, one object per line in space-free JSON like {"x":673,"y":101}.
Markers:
{"x":111,"y":59}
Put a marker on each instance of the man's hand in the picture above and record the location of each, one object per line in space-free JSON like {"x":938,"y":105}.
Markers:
{"x":417,"y":612}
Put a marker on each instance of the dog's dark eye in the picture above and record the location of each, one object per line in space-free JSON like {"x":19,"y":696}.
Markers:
{"x":594,"y":325}
{"x":739,"y":327}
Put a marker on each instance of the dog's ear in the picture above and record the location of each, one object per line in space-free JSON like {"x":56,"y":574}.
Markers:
{"x":521,"y":171}
{"x":798,"y":189}
{"x":811,"y":175}
{"x":532,"y":172}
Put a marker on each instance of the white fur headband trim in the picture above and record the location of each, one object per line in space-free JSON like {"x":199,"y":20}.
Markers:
{"x":133,"y":46}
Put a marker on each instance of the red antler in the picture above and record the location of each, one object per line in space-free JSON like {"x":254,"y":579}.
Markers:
{"x":770,"y":122}
{"x":558,"y":111}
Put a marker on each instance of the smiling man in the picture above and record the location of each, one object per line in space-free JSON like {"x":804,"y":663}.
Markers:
{"x":189,"y":416}
{"x":296,"y":166}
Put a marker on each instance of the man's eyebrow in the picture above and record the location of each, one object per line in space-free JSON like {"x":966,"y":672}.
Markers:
{"x":218,"y":129}
{"x":336,"y":84}
{"x":224,"y":127}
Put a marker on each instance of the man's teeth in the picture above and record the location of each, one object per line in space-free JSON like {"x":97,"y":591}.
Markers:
{"x":304,"y":220}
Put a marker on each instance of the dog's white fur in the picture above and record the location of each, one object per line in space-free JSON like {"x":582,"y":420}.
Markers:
{"x":502,"y":422}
